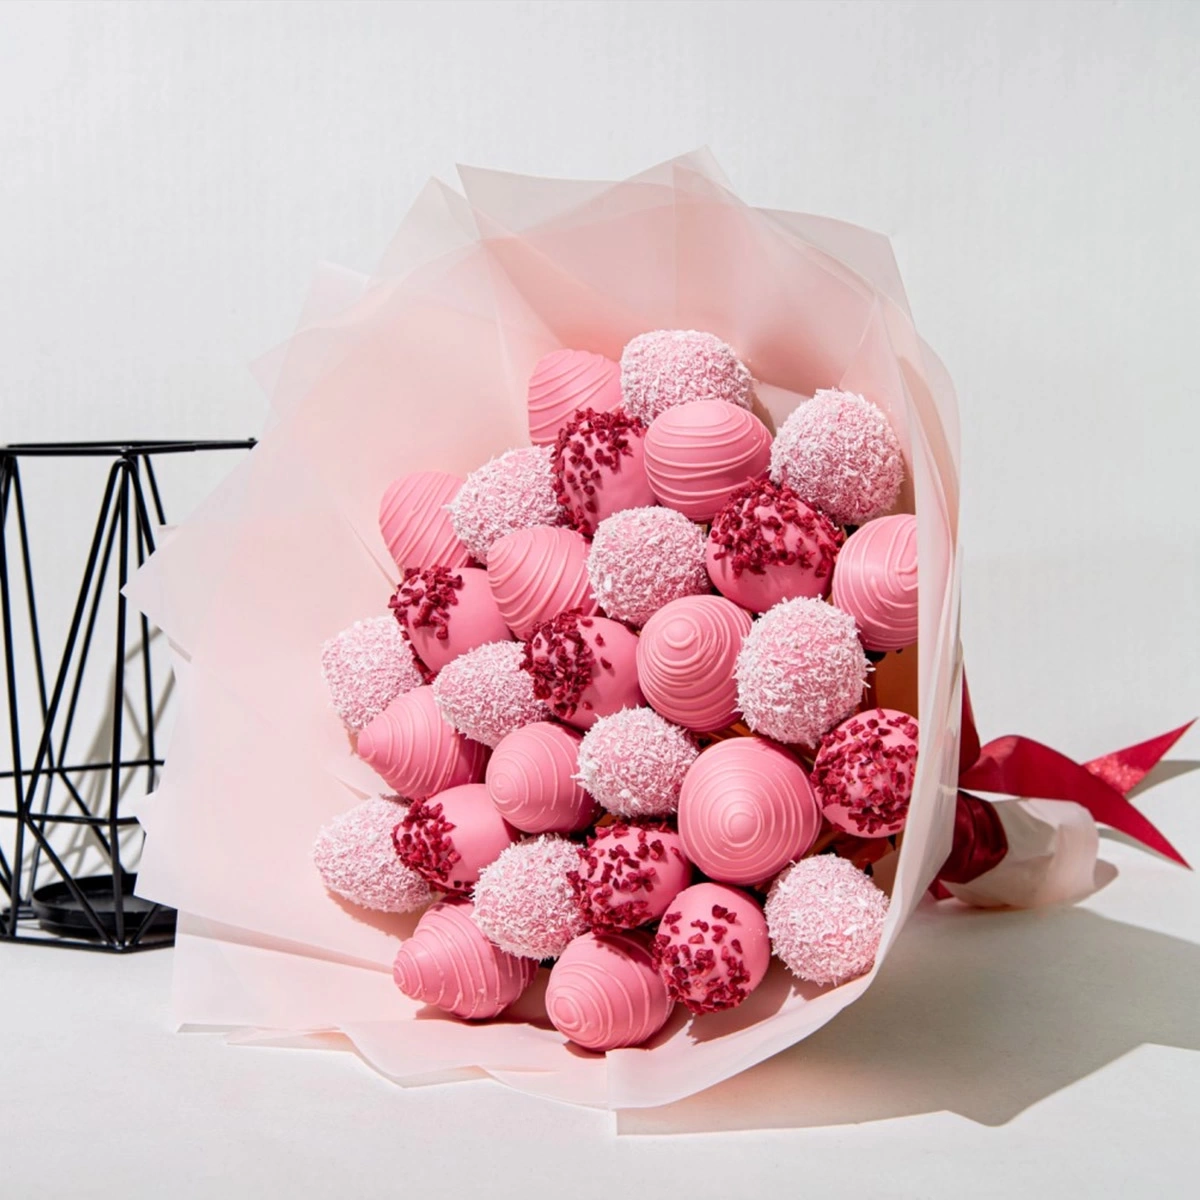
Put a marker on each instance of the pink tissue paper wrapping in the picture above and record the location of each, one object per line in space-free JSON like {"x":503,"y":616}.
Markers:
{"x":423,"y":366}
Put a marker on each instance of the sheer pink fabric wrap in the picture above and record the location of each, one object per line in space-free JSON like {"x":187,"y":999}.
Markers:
{"x":422,"y":366}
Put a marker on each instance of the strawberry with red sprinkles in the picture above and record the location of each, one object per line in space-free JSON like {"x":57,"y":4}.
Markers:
{"x":712,"y":949}
{"x":767,"y":544}
{"x":582,"y":667}
{"x":599,"y":467}
{"x":629,"y":874}
{"x":449,"y":838}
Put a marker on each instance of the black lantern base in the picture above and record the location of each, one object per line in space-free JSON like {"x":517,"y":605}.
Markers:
{"x":57,"y":912}
{"x":63,"y":880}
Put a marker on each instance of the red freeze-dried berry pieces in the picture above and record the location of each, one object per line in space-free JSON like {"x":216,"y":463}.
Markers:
{"x":423,"y":599}
{"x":609,"y":870}
{"x":561,"y":661}
{"x":856,"y":752}
{"x":756,"y":542}
{"x":592,"y":443}
{"x":686,"y":965}
{"x":423,"y":842}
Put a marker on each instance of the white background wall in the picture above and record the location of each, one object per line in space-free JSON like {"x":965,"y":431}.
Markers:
{"x":170,"y":173}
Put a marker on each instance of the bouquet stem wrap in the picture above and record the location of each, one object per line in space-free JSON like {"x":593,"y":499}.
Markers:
{"x":424,"y":366}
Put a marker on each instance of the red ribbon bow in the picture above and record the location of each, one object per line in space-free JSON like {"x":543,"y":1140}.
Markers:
{"x":1019,"y":766}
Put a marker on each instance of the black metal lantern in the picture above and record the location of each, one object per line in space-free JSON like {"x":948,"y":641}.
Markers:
{"x":65,"y":845}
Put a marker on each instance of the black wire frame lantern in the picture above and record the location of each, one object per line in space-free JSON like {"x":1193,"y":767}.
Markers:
{"x":96,"y":910}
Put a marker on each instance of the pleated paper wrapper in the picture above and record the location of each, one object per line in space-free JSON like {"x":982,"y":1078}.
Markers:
{"x":424,"y":366}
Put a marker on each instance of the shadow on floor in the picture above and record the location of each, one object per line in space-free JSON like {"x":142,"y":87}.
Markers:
{"x":978,"y":1013}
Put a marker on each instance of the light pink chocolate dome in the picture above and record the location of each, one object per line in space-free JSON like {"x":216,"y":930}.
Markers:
{"x":416,"y":751}
{"x":583,"y":667}
{"x":698,"y":455}
{"x":449,"y":963}
{"x":875,"y":581}
{"x":600,"y":467}
{"x":746,"y":810}
{"x":486,"y":695}
{"x":643,"y":558}
{"x":633,"y":762}
{"x":667,"y":367}
{"x":826,"y":919}
{"x":685,"y":660}
{"x":447,"y":612}
{"x":802,"y":670}
{"x":531,"y":780}
{"x":449,"y":838}
{"x":604,"y":992}
{"x":415,"y":524}
{"x":863,"y":774}
{"x":712,"y":947}
{"x":537,"y":573}
{"x":565,"y":381}
{"x":629,"y":874}
{"x":839,"y":452}
{"x":768,"y":545}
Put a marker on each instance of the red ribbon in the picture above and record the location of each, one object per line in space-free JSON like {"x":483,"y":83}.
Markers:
{"x":1019,"y":766}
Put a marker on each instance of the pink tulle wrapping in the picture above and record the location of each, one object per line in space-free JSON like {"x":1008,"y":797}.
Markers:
{"x":513,"y":269}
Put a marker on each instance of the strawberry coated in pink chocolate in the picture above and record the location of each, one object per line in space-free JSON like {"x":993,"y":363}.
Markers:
{"x":712,"y":949}
{"x":768,"y":545}
{"x":583,"y":667}
{"x":599,"y":467}
{"x":863,"y":773}
{"x":446,"y":612}
{"x":629,"y":874}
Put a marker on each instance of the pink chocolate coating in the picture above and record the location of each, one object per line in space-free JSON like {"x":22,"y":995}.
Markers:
{"x":357,"y":859}
{"x":447,"y":612}
{"x":531,"y":780}
{"x":449,"y":838}
{"x":485,"y":694}
{"x":767,"y":545}
{"x":826,"y":919}
{"x":712,"y":947}
{"x":366,"y":667}
{"x":667,"y":367}
{"x":416,"y":751}
{"x":415,"y":524}
{"x":449,"y":963}
{"x":746,"y":810}
{"x":629,"y":874}
{"x":583,"y":667}
{"x":600,"y":467}
{"x":513,"y":491}
{"x":643,"y":558}
{"x":875,"y":581}
{"x":686,"y":657}
{"x":634,"y":762}
{"x":863,"y":774}
{"x":802,"y":670}
{"x":839,"y":452}
{"x":565,"y":381}
{"x":698,"y":455}
{"x":604,"y":992}
{"x":525,"y":902}
{"x":537,"y":573}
